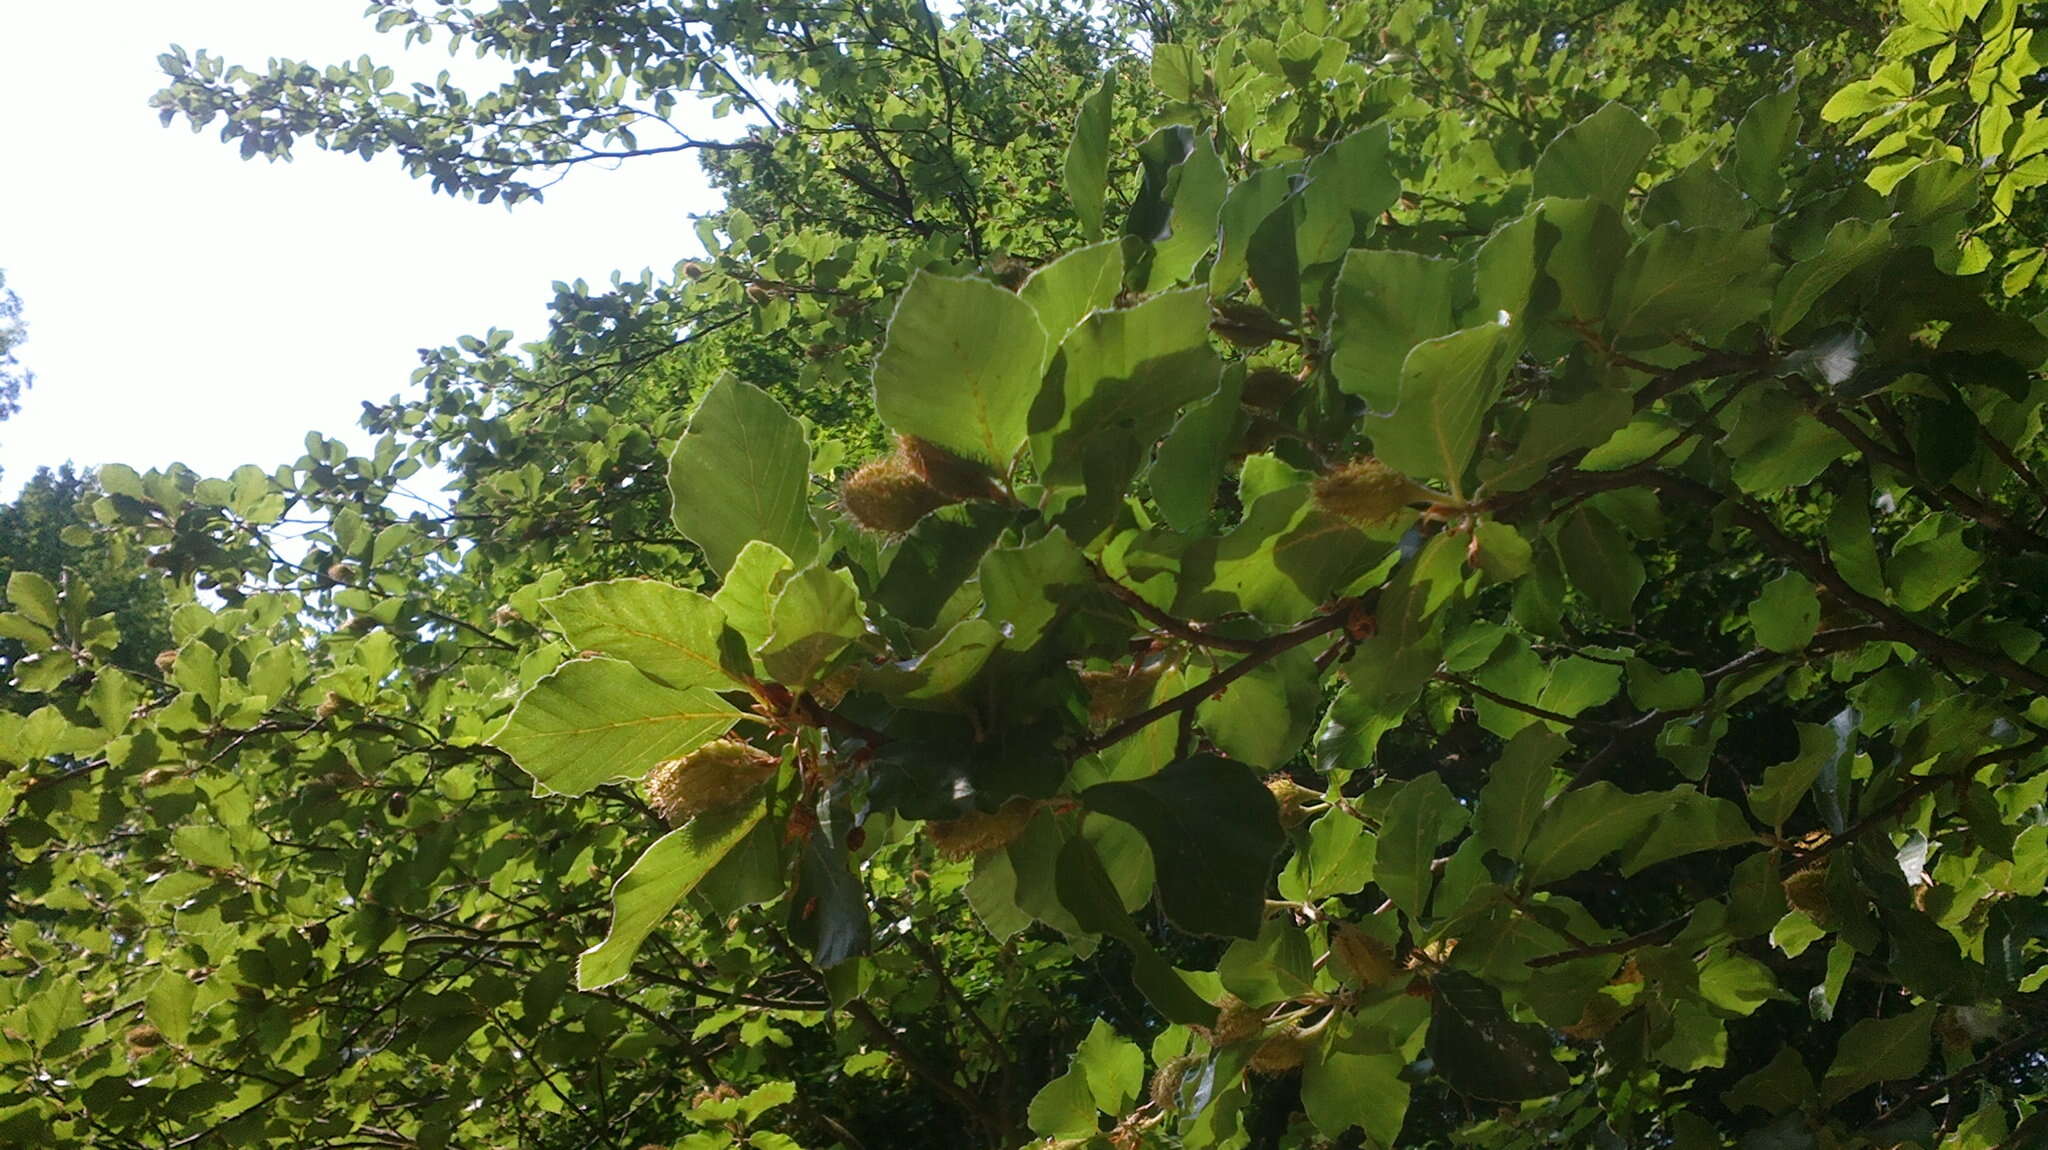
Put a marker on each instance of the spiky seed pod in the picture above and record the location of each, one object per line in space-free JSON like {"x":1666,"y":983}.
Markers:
{"x":506,"y":615}
{"x":887,"y":497}
{"x":980,"y":832}
{"x":948,"y":474}
{"x":1010,"y":272}
{"x":1114,"y":695}
{"x":165,"y":660}
{"x":1269,"y":388}
{"x":341,"y":572}
{"x":693,"y":269}
{"x":329,"y":706}
{"x":717,"y":774}
{"x":1282,"y":1051}
{"x":1361,"y":959}
{"x":759,"y":294}
{"x":360,"y":625}
{"x":1367,"y":493}
{"x":835,"y":687}
{"x":1166,"y":1082}
{"x":1292,"y":797}
{"x":1236,"y":1020}
{"x":1807,"y":892}
{"x":157,"y":776}
{"x":143,"y":1039}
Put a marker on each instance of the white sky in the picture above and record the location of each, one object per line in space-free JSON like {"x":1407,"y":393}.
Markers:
{"x":187,"y":305}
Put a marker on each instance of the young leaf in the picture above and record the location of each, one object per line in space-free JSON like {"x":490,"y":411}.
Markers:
{"x":660,"y":878}
{"x":741,"y":472}
{"x":1087,"y":166}
{"x":592,"y":721}
{"x":1213,"y":829}
{"x":961,"y":367}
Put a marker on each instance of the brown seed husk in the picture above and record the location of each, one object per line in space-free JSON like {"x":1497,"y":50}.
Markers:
{"x":1235,"y":1021}
{"x":948,"y":474}
{"x":1292,"y":797}
{"x":1279,"y":1053}
{"x":887,"y":497}
{"x":717,"y":774}
{"x":1269,"y":388}
{"x":143,"y":1039}
{"x":1114,"y":695}
{"x":1598,"y":1017}
{"x":1167,"y":1079}
{"x":165,"y":660}
{"x":1367,"y":493}
{"x":980,"y":832}
{"x":1361,"y":959}
{"x":1807,"y":892}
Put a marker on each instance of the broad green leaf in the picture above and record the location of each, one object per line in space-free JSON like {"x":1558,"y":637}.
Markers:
{"x":1188,"y":467}
{"x":1583,"y":826}
{"x":1930,"y":561}
{"x":1113,"y":1067}
{"x":1213,"y":829}
{"x":169,"y":1005}
{"x":1880,"y":1050}
{"x":1600,"y":563}
{"x":1698,"y":197}
{"x":1776,"y":444}
{"x":1784,"y":784}
{"x":1596,"y":158}
{"x":815,"y":618}
{"x":940,"y":673}
{"x":1422,"y":817}
{"x":1067,"y":289}
{"x":1762,"y":138}
{"x":1587,"y":243}
{"x":1480,"y":1051}
{"x":33,"y":597}
{"x":1786,"y":614}
{"x":1695,"y":822}
{"x":1086,"y":891}
{"x":1702,"y":280}
{"x":1063,"y":1107}
{"x":206,"y":846}
{"x":666,"y":632}
{"x":961,"y":367}
{"x":1652,"y":689}
{"x":1780,"y":1085}
{"x":593,"y":721}
{"x":1194,"y":189}
{"x":1087,"y":166}
{"x":1448,"y":384}
{"x":1266,"y":716}
{"x":1341,"y":1090}
{"x":1244,"y":209}
{"x":660,"y":878}
{"x":748,"y":593}
{"x":1386,"y":302}
{"x":741,"y":472}
{"x":1851,"y":246}
{"x":1116,"y":386}
{"x":1517,"y":786}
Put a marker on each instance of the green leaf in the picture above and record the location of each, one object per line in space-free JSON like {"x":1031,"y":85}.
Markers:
{"x":1652,"y":689}
{"x":1423,"y":816}
{"x":666,"y":632}
{"x":1480,"y":1051}
{"x":1086,"y":891}
{"x":593,"y":721}
{"x":815,"y":618}
{"x":1063,"y":1108}
{"x":1067,"y":289}
{"x":1087,"y":166}
{"x":1583,"y":826}
{"x":1762,"y":138}
{"x":33,"y":597}
{"x":750,"y":588}
{"x":661,"y":877}
{"x":1244,"y":209}
{"x":1929,"y":561}
{"x":1191,"y":189}
{"x":1851,"y":246}
{"x":1448,"y":385}
{"x":1596,"y":158}
{"x":1786,"y":614}
{"x":1386,"y":302}
{"x":206,"y":846}
{"x":1776,"y":444}
{"x":741,"y":472}
{"x":1213,"y":829}
{"x":1517,"y":786}
{"x":1188,"y":467}
{"x":1782,"y":1084}
{"x":1784,"y":784}
{"x":1695,"y":823}
{"x":1600,"y":563}
{"x":1880,"y":1050}
{"x":1266,"y":716}
{"x":961,"y":366}
{"x":1119,"y":381}
{"x":1702,"y":280}
{"x":1341,"y":1090}
{"x":1113,"y":1067}
{"x":169,"y":1005}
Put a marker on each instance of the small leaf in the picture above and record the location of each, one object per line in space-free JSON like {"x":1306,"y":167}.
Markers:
{"x":1422,"y":817}
{"x":1448,"y":385}
{"x":961,"y":367}
{"x":1213,"y":829}
{"x":1786,"y":615}
{"x":1087,"y":165}
{"x":661,"y":877}
{"x":741,"y":472}
{"x":592,"y":721}
{"x":1880,"y":1050}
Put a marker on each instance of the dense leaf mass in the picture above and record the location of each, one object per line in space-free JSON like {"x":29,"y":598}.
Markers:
{"x":1251,"y":575}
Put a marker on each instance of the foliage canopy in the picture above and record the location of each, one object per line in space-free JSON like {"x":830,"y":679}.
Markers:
{"x":1449,"y":575}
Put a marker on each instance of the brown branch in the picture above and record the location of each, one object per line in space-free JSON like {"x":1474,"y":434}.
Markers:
{"x":1545,"y":714}
{"x":1268,"y":649}
{"x":1178,"y":628}
{"x":1619,"y":946}
{"x":2021,"y":1043}
{"x":1925,"y":785}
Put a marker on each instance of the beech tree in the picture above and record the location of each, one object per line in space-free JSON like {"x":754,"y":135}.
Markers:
{"x":1387,"y":574}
